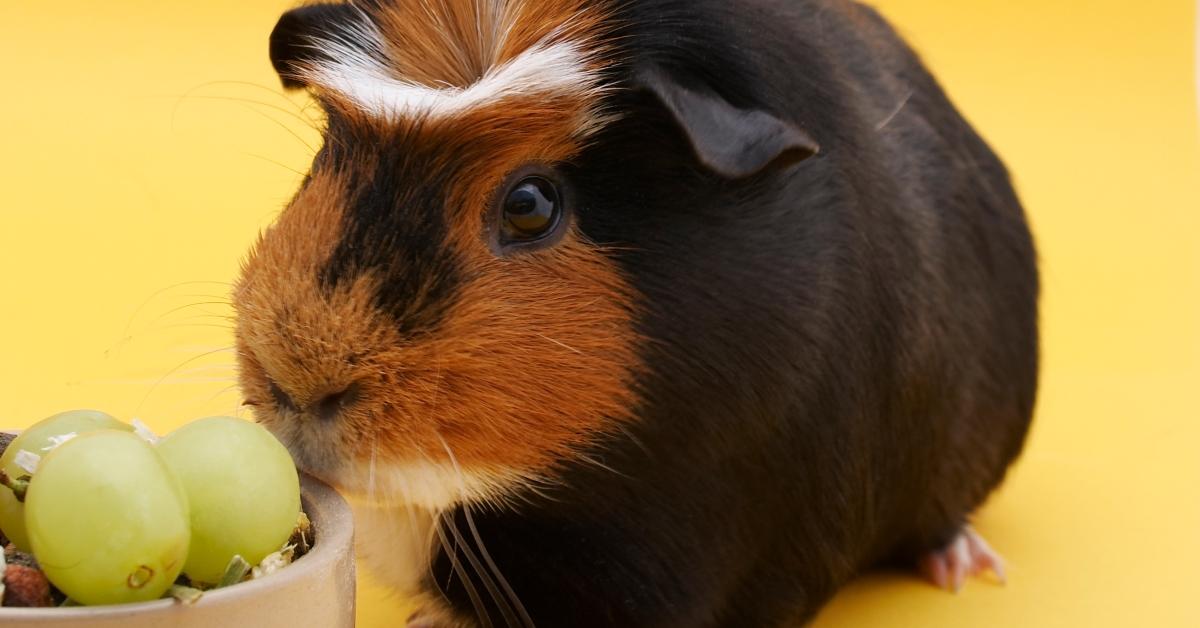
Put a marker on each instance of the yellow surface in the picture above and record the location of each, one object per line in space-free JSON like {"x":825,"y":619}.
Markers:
{"x":143,"y":143}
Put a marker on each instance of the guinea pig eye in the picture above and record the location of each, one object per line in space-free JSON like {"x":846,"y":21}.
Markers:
{"x":532,"y":209}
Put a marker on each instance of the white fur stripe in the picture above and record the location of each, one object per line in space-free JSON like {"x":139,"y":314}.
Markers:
{"x":355,"y":71}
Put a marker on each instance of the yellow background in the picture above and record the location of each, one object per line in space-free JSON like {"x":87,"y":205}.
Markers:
{"x":144,"y":142}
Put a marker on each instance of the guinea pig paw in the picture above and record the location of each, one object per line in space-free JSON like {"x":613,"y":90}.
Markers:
{"x":968,"y":555}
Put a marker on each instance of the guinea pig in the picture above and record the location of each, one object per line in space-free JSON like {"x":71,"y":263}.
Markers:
{"x":670,"y":313}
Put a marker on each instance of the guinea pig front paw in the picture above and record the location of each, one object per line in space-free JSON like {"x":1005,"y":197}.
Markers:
{"x":967,"y":555}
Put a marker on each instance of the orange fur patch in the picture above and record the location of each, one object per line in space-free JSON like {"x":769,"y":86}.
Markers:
{"x":440,"y":43}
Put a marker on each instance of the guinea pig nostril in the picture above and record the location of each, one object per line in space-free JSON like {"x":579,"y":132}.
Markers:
{"x":329,"y":407}
{"x":285,"y":402}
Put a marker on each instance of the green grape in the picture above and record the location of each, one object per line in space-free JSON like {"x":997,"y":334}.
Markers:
{"x":35,"y":440}
{"x":107,"y":519}
{"x":242,"y":487}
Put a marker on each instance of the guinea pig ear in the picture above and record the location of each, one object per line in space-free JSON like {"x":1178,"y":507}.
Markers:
{"x":732,"y":142}
{"x":294,"y":37}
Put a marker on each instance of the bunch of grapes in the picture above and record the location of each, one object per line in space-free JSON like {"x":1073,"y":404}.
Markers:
{"x":113,"y":517}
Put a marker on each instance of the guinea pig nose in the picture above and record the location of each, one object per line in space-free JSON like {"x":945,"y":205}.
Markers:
{"x":328,"y":407}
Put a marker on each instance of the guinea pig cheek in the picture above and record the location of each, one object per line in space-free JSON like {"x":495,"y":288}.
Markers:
{"x":534,"y":360}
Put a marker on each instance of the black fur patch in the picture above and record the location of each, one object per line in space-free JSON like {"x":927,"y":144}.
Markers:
{"x":843,"y":353}
{"x":395,"y":223}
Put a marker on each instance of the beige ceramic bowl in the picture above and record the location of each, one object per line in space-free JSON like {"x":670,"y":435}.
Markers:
{"x":316,"y":590}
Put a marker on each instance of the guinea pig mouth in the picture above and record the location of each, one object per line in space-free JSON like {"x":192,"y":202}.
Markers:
{"x":376,"y":476}
{"x":373,"y":475}
{"x":316,"y":455}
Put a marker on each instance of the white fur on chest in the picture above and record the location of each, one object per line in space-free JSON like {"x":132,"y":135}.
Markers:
{"x":394,"y":543}
{"x":395,"y":506}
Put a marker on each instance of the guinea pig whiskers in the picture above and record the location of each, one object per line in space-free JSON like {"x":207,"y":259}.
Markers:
{"x":210,"y":315}
{"x":221,"y":392}
{"x":425,"y":546}
{"x":271,"y":91}
{"x":485,"y":575}
{"x":449,"y":548}
{"x":312,"y":124}
{"x":176,"y":368}
{"x":179,"y":376}
{"x":223,"y":299}
{"x":495,"y":569}
{"x":633,"y":438}
{"x":600,"y":465}
{"x":238,"y":406}
{"x":511,"y":594}
{"x":188,"y":326}
{"x":531,"y":487}
{"x":125,"y":333}
{"x":458,"y":568}
{"x":303,"y":142}
{"x":431,"y":536}
{"x":128,"y":335}
{"x":206,"y":317}
{"x":277,"y":163}
{"x":162,"y":291}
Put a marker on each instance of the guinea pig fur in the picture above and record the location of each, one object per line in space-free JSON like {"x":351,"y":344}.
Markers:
{"x":639,"y":312}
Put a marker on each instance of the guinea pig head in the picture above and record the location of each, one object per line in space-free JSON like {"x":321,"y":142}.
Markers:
{"x":428,"y":321}
{"x":425,"y":322}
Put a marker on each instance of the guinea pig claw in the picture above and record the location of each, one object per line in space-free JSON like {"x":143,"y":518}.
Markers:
{"x":985,"y":558}
{"x":968,"y":555}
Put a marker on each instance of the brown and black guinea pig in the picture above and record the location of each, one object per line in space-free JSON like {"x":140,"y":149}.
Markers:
{"x":671,"y":313}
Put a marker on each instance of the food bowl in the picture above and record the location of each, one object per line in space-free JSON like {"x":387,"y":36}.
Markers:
{"x":316,"y":590}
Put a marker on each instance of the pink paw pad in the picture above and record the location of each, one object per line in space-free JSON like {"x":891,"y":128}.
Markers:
{"x":968,"y":555}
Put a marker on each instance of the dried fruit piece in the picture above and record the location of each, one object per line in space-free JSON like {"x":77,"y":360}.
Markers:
{"x":26,"y":586}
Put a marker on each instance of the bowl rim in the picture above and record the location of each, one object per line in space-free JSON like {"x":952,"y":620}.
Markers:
{"x":325,"y":508}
